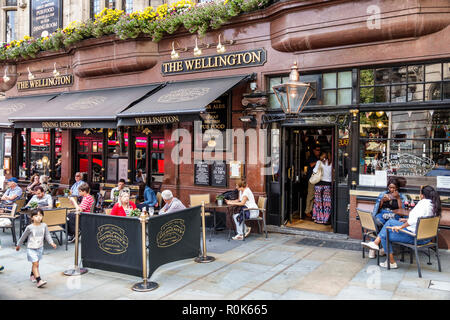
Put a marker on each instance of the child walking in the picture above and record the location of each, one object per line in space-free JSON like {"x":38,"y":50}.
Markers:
{"x":35,"y":233}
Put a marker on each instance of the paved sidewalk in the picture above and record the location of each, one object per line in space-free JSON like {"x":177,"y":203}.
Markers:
{"x":273,"y":268}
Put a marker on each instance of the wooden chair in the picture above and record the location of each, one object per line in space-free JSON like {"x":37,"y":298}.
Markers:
{"x":427,"y":229}
{"x":368,"y":229}
{"x":20,"y":204}
{"x":159,"y":199}
{"x":54,"y":219}
{"x":262,"y":201}
{"x":66,"y":203}
{"x":196,"y":200}
{"x":12,"y":215}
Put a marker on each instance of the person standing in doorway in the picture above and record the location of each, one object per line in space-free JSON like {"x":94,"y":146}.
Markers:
{"x":311,"y":163}
{"x":322,"y":198}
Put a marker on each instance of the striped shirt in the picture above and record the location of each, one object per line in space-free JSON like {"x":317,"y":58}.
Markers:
{"x":87,"y":203}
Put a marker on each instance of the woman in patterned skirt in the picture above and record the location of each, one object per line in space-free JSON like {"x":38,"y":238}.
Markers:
{"x":322,"y":198}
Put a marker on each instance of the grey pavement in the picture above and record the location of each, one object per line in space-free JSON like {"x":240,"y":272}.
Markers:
{"x":277,"y":268}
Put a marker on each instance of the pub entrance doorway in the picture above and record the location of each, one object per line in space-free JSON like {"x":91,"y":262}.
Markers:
{"x":299,"y":159}
{"x":89,"y":160}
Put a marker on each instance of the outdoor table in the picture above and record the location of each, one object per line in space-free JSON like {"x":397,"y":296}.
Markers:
{"x":214,"y":207}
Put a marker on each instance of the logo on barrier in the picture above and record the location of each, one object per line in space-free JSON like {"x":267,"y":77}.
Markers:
{"x":170,"y":233}
{"x":112,"y":239}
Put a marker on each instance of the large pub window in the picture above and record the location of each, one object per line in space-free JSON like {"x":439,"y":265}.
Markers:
{"x":337,"y":88}
{"x":406,"y":83}
{"x":10,"y":25}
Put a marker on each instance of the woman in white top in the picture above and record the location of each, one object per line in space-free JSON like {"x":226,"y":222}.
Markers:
{"x":247,"y":201}
{"x":322,"y":198}
{"x":428,"y":206}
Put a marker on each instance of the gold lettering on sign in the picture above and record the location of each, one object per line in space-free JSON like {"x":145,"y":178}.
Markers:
{"x":63,"y":80}
{"x":156,"y":120}
{"x":224,"y":61}
{"x":61,"y":124}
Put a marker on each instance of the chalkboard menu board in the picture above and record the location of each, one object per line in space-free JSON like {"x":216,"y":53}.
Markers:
{"x":219,"y":174}
{"x":201,"y":174}
{"x":215,"y":120}
{"x":45,"y":15}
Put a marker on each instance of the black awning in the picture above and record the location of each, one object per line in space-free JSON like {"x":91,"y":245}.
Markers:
{"x":18,"y":105}
{"x":82,"y":109}
{"x":177,"y":101}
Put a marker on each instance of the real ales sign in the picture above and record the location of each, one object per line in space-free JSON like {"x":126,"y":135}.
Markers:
{"x":242,"y":59}
{"x":45,"y":16}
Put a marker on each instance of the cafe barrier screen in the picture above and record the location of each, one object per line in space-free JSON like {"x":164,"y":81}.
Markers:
{"x":174,"y":236}
{"x":111,"y":243}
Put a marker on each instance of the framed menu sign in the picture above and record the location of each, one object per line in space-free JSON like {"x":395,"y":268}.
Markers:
{"x":219,"y":174}
{"x":45,"y":17}
{"x":201,"y":174}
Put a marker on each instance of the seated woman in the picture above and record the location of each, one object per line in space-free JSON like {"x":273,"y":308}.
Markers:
{"x":428,"y":206}
{"x":124,"y":206}
{"x":386,"y":202}
{"x":34,"y":182}
{"x":246,"y":201}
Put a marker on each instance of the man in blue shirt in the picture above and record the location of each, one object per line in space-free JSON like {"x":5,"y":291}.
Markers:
{"x":440,"y":169}
{"x":78,"y":182}
{"x":150,"y":199}
{"x":13,"y":193}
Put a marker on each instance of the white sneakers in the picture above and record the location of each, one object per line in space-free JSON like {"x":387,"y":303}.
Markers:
{"x":370,"y":245}
{"x":391,"y":265}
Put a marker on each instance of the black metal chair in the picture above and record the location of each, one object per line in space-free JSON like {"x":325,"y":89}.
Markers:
{"x":426,"y":229}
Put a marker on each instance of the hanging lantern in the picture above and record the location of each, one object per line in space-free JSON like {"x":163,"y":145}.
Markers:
{"x":293,"y":95}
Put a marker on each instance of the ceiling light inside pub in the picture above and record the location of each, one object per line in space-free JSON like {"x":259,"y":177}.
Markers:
{"x":220,"y":47}
{"x":30,"y":75}
{"x":174,"y":54}
{"x":197,"y":50}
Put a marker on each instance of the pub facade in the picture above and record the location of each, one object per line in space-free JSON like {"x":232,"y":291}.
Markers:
{"x":379,"y":109}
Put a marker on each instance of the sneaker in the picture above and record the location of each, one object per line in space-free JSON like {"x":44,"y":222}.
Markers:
{"x":370,"y":245}
{"x":41,"y":283}
{"x":372,"y":254}
{"x":2,"y":268}
{"x":247,"y":232}
{"x":238,"y":237}
{"x":382,"y":253}
{"x":391,"y":265}
{"x":33,"y":279}
{"x":71,"y":239}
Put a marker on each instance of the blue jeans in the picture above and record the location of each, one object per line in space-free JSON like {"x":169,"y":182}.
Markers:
{"x":380,"y":221}
{"x":396,"y":236}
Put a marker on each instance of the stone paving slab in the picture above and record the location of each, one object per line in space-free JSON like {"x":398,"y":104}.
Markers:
{"x":277,"y":268}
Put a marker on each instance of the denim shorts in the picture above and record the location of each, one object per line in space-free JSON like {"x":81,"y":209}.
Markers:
{"x":35,"y":255}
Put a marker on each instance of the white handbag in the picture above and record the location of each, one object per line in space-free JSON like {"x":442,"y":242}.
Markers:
{"x":316,"y":176}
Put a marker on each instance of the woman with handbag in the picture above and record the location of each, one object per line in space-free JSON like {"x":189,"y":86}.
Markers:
{"x":321,"y":177}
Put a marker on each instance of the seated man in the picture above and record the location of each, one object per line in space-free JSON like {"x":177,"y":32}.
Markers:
{"x":149,"y":199}
{"x":120,"y":188}
{"x":78,"y":182}
{"x":13,"y":193}
{"x":43,"y":200}
{"x":172,"y":204}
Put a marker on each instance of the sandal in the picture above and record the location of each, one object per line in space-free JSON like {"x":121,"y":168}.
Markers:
{"x":238,"y":237}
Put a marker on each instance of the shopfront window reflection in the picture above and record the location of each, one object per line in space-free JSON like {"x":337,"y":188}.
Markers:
{"x":402,"y":84}
{"x":410,"y":144}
